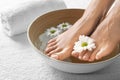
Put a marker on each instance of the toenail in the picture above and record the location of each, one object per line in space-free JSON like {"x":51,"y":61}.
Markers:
{"x":48,"y":54}
{"x":90,"y":60}
{"x":84,"y":57}
{"x":54,"y":56}
{"x":97,"y":57}
{"x":46,"y":50}
{"x":73,"y":53}
{"x":80,"y":57}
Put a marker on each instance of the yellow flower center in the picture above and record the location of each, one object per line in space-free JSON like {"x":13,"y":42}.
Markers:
{"x":64,"y":25}
{"x":84,"y":44}
{"x":52,"y":31}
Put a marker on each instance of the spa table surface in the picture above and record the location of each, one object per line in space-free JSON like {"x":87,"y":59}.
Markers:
{"x":18,"y":61}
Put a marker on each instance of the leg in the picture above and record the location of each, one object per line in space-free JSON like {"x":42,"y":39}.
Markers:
{"x":108,"y":31}
{"x":56,"y":49}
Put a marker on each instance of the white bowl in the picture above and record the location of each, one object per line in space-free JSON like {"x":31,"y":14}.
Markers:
{"x":52,"y":19}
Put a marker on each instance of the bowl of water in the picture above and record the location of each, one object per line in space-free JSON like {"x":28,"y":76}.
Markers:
{"x":38,"y":41}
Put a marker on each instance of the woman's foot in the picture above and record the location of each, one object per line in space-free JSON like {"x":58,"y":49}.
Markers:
{"x":62,"y":46}
{"x":106,"y":37}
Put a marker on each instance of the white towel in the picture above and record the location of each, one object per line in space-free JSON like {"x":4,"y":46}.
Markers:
{"x":16,"y":19}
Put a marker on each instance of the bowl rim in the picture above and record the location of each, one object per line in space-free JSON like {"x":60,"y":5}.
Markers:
{"x":59,"y":61}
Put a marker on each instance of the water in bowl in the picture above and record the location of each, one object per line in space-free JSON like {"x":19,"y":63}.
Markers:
{"x":41,"y":43}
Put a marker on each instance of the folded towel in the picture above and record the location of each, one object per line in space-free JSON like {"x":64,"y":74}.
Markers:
{"x":16,"y":19}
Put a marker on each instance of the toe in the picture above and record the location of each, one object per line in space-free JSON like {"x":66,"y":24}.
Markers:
{"x":93,"y":55}
{"x":51,"y":44}
{"x":54,"y":56}
{"x":54,"y":51}
{"x":75,"y":54}
{"x":100,"y":54}
{"x":48,"y":49}
{"x":104,"y":52}
{"x":52,"y":40}
{"x":87,"y":56}
{"x":81,"y":55}
{"x":61,"y":55}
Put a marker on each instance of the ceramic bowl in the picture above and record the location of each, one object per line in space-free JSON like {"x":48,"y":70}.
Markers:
{"x":39,"y":26}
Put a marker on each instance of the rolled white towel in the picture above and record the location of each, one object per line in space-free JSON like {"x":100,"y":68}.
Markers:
{"x":16,"y":19}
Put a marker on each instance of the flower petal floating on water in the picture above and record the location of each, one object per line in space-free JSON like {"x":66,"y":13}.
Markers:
{"x":84,"y":43}
{"x":64,"y":26}
{"x":52,"y":32}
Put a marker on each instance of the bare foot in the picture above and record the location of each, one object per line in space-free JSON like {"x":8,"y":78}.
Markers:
{"x":106,"y":36}
{"x":61,"y":47}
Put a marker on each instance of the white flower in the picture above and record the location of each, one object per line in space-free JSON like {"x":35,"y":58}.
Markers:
{"x":84,"y":43}
{"x":52,"y":32}
{"x":64,"y":26}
